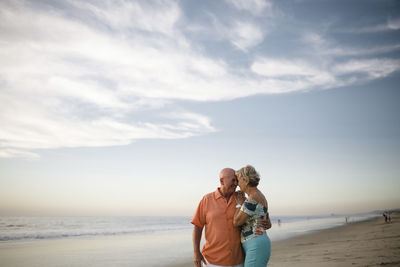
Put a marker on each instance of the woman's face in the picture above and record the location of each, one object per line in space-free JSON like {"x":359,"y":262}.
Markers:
{"x":242,"y":184}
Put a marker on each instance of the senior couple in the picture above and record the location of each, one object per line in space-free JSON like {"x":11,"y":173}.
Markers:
{"x":234,"y":226}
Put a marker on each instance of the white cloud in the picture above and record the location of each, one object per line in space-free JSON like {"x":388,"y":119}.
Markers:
{"x":14,"y":153}
{"x":294,"y":74}
{"x":191,"y":121}
{"x":278,"y":68}
{"x":282,"y":76}
{"x":256,"y":7}
{"x":241,"y":33}
{"x":321,"y":46}
{"x":66,"y":83}
{"x":374,"y":68}
{"x":392,"y":24}
{"x":123,"y":15}
{"x":245,"y":35}
{"x":28,"y":125}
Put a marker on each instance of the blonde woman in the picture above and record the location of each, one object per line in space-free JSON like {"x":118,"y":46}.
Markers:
{"x":249,"y":214}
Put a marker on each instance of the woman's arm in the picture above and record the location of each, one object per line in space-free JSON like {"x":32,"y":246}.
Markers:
{"x":239,"y":218}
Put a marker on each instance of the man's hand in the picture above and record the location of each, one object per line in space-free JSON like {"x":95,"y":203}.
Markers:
{"x":266,"y":222}
{"x":198,"y":258}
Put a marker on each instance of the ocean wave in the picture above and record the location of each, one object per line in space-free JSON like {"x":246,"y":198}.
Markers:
{"x":55,"y":235}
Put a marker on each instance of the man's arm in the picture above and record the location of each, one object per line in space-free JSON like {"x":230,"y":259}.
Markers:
{"x":196,"y":237}
{"x":266,"y":222}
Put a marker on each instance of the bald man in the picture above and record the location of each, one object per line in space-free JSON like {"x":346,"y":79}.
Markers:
{"x":215,"y":213}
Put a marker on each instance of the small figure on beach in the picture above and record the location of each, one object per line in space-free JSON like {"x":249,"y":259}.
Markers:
{"x":255,"y":241}
{"x":279,"y":222}
{"x":215,"y":213}
{"x":387,"y":217}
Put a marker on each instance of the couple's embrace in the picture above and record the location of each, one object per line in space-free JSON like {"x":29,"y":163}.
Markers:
{"x":234,"y":225}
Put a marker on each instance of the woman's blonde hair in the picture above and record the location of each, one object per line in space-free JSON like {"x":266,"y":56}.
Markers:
{"x":249,"y":174}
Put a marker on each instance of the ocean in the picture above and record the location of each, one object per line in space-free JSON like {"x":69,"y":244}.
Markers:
{"x":30,"y":228}
{"x":124,"y":241}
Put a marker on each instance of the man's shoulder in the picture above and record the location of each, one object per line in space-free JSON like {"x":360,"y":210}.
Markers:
{"x":208,"y":196}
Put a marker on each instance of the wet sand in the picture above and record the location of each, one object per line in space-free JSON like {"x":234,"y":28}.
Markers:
{"x":367,"y":243}
{"x":144,"y":250}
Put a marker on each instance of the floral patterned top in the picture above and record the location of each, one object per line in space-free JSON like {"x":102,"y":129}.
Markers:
{"x":252,"y":227}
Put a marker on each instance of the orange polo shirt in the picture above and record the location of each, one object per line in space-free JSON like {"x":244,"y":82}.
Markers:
{"x":222,"y":245}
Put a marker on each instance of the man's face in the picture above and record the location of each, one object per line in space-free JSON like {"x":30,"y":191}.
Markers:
{"x":229,"y":182}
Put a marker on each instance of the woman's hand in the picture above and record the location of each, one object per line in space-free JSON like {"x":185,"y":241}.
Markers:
{"x":239,"y":197}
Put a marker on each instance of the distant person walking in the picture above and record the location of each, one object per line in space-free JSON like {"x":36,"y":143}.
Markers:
{"x":255,"y":241}
{"x":386,"y":217}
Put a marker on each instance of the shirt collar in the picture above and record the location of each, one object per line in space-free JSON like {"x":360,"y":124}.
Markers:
{"x":217,"y":194}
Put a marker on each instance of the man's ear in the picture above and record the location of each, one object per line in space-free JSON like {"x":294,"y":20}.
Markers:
{"x":221,"y":181}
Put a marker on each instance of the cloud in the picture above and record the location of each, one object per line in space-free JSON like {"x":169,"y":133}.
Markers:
{"x":14,"y":153}
{"x":67,"y":84}
{"x":242,"y":33}
{"x":123,"y":15}
{"x":256,"y":7}
{"x":245,"y":35}
{"x":392,"y":24}
{"x":25,"y":125}
{"x":292,"y":75}
{"x":103,"y":76}
{"x":373,"y":68}
{"x":283,"y":76}
{"x":321,"y":46}
{"x":282,"y":68}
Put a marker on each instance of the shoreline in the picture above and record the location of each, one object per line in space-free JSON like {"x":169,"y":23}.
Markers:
{"x":366,"y":243}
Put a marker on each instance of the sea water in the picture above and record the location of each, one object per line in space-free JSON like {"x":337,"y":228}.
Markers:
{"x":289,"y":226}
{"x":23,"y":228}
{"x":126,"y":241}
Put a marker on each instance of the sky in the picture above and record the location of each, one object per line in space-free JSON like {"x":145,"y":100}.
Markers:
{"x":124,"y":108}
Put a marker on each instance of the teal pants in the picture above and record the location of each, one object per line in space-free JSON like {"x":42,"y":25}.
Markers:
{"x":257,"y":250}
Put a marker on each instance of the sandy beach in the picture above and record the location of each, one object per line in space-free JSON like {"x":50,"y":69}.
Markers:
{"x":367,"y":243}
{"x":105,"y":251}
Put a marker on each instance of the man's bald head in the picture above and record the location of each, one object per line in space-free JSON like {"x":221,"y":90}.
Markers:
{"x":228,"y":181}
{"x":226,"y":172}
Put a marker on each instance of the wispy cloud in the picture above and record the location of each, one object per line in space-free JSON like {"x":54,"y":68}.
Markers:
{"x":124,"y":15}
{"x":13,"y":153}
{"x":321,"y":46}
{"x":392,"y":24}
{"x":373,"y":68}
{"x":245,"y":35}
{"x":242,"y":33}
{"x":82,"y":80}
{"x":297,"y":75}
{"x":256,"y":7}
{"x":67,"y":84}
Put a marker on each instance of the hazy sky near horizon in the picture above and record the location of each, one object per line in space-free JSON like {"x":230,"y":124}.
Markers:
{"x":133,"y":107}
